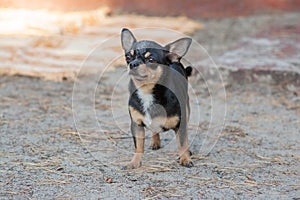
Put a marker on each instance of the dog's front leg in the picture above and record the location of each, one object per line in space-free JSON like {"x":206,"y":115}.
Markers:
{"x":138,"y":134}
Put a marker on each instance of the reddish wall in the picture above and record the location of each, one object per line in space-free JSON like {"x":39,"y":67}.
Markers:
{"x":191,"y":8}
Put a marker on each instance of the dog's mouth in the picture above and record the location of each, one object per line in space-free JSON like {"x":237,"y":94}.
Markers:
{"x":137,"y":76}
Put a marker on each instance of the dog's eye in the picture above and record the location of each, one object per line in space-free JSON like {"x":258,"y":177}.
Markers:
{"x":128,"y":57}
{"x":151,"y":60}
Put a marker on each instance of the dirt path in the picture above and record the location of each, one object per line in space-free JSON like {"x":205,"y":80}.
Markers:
{"x":42,"y":156}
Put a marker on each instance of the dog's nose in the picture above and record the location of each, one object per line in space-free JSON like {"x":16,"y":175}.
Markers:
{"x":133,"y":64}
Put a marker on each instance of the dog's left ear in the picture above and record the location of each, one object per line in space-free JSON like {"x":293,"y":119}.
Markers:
{"x":178,"y":48}
{"x":127,"y":39}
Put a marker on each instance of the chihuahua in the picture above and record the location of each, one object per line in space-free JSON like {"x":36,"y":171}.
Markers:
{"x":158,"y":93}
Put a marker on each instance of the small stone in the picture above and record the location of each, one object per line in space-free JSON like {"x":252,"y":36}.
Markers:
{"x":108,"y":180}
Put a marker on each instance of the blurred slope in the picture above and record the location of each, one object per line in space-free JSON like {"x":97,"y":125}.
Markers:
{"x":190,"y":8}
{"x":271,"y":53}
{"x":53,"y":45}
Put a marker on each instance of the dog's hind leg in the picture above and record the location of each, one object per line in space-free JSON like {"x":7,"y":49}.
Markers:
{"x":155,"y":144}
{"x":183,"y":147}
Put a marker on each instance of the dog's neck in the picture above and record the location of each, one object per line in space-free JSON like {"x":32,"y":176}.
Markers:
{"x":145,"y":88}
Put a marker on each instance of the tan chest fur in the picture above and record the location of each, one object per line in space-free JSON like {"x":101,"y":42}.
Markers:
{"x":155,"y":124}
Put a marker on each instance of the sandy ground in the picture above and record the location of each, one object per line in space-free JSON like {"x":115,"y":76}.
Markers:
{"x":44,"y":157}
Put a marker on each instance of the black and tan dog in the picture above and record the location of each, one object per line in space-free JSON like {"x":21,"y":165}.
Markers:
{"x":158,"y":93}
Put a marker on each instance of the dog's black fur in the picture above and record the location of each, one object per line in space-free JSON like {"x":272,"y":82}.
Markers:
{"x":158,"y":93}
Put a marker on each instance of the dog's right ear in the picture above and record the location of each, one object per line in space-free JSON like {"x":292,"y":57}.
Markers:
{"x":127,"y":39}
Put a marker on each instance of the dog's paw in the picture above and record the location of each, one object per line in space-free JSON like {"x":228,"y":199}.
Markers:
{"x":155,"y":143}
{"x":186,"y":162}
{"x":154,"y":146}
{"x":132,"y":165}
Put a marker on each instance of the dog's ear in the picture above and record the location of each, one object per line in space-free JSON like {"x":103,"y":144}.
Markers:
{"x":178,"y":48}
{"x":127,"y":39}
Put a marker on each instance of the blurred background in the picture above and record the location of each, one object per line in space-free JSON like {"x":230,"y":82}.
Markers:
{"x":190,"y":8}
{"x":50,"y":39}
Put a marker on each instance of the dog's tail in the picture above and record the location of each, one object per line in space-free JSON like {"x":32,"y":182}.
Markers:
{"x":188,"y":71}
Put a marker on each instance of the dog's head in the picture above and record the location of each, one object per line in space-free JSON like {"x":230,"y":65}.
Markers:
{"x":145,"y":58}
